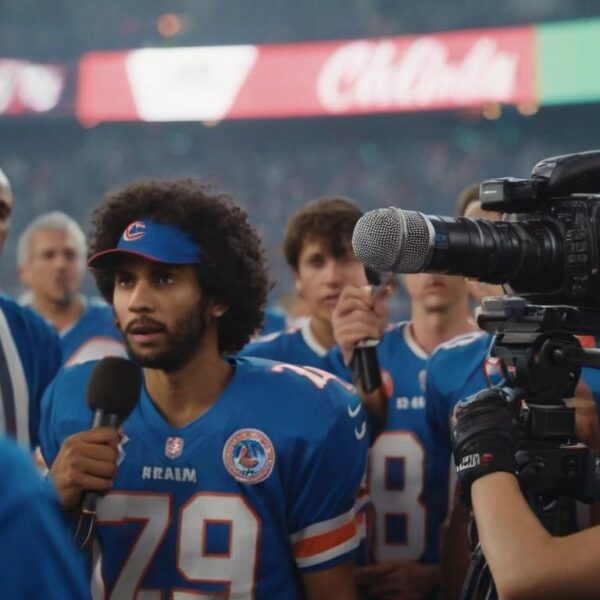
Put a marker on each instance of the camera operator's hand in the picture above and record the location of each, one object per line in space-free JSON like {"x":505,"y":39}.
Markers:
{"x":485,"y":436}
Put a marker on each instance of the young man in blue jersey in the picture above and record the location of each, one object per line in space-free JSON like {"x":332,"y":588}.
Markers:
{"x":30,"y":353}
{"x":318,"y":249}
{"x":51,"y":256}
{"x":404,"y":483}
{"x":233,"y":477}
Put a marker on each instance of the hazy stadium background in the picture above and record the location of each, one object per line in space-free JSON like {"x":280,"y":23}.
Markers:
{"x":417,"y":160}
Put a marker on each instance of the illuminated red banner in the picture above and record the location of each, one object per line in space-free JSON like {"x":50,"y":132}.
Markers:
{"x":30,"y":88}
{"x":443,"y":71}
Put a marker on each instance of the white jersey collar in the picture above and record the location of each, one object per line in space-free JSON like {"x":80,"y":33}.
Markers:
{"x":311,"y":340}
{"x":412,"y":343}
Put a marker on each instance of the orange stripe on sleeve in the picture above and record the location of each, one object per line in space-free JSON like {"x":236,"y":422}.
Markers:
{"x":325,"y":541}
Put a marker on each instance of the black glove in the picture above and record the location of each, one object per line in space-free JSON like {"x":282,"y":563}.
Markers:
{"x":485,"y":435}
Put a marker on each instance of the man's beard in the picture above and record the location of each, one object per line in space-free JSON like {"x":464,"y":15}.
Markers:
{"x":181,"y":343}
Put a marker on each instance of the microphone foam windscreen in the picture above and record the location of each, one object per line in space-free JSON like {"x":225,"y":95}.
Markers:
{"x":114,"y":386}
{"x":390,"y":239}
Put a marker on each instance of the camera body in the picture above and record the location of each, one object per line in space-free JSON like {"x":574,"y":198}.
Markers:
{"x":556,"y":215}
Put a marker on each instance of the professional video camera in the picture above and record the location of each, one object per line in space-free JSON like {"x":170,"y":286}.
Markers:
{"x":564,"y":193}
{"x":546,"y":250}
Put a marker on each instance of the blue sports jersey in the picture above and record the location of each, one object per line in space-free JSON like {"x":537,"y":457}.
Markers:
{"x":460,"y":368}
{"x":30,"y":357}
{"x":93,"y":336}
{"x":257,"y":490}
{"x":457,"y":369}
{"x":296,"y":345}
{"x":37,"y":558}
{"x":405,"y":486}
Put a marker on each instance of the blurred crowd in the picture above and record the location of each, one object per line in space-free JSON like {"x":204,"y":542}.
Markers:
{"x":273,"y":167}
{"x":62,"y":29}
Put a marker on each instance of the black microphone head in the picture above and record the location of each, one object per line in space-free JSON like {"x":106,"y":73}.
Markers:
{"x":114,"y":386}
{"x":390,"y":239}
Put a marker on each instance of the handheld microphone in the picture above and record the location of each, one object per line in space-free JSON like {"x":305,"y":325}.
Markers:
{"x":364,"y":363}
{"x":526,"y":254}
{"x":112,"y":393}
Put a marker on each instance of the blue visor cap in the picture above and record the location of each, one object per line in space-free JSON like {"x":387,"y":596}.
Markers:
{"x":154,"y":241}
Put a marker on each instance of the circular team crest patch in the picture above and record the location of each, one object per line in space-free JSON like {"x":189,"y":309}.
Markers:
{"x":249,"y":456}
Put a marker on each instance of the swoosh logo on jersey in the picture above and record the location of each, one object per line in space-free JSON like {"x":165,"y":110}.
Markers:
{"x":355,"y":411}
{"x":360,"y":434}
{"x":121,"y":456}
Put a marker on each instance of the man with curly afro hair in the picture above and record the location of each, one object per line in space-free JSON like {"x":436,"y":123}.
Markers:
{"x":232,"y":477}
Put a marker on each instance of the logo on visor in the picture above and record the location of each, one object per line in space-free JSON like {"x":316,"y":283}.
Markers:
{"x":134,"y":231}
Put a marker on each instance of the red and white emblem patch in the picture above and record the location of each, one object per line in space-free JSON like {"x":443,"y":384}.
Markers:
{"x":249,"y":456}
{"x":173,"y":447}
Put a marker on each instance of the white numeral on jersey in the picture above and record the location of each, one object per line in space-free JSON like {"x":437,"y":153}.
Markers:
{"x":238,"y":566}
{"x":194,"y":562}
{"x":155,"y":511}
{"x":396,"y":477}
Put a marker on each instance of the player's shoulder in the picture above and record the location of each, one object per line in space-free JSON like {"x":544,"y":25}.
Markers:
{"x":22,"y":319}
{"x":269,"y":345}
{"x":303,"y":405}
{"x":15,"y":312}
{"x":454,"y":361}
{"x":394,"y":334}
{"x":396,"y":328}
{"x":302,"y":388}
{"x":461,"y":345}
{"x":73,"y":377}
{"x":280,"y":335}
{"x":65,"y":398}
